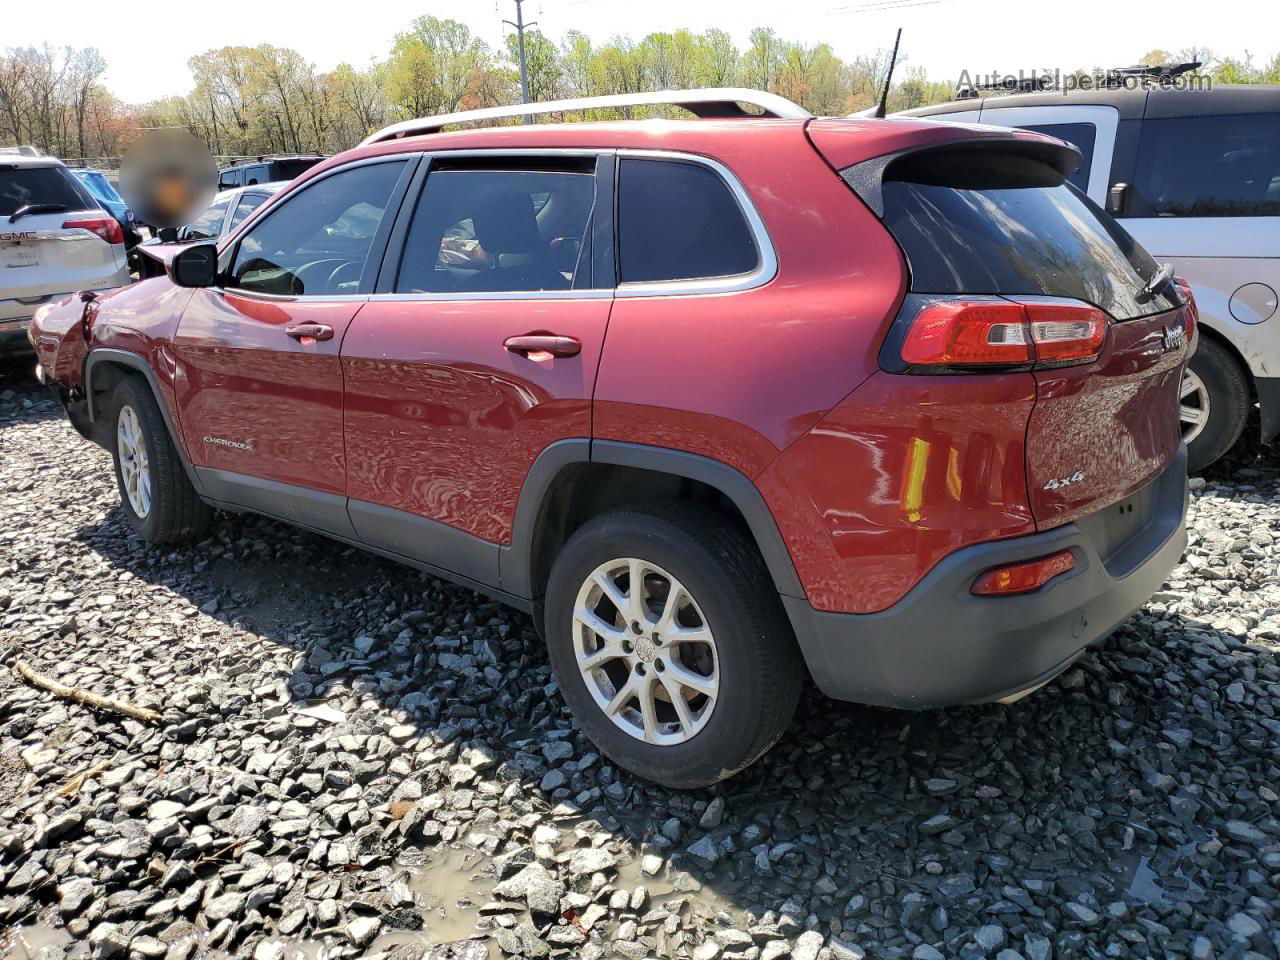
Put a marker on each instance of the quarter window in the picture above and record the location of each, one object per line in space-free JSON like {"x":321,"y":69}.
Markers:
{"x":1081,"y":135}
{"x":488,"y":230}
{"x":1210,"y":166}
{"x":317,"y":242}
{"x":249,"y":202}
{"x":679,"y":220}
{"x":209,"y":223}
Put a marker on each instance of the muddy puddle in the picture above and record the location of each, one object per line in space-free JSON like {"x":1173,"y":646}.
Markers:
{"x":22,"y":943}
{"x":449,"y":886}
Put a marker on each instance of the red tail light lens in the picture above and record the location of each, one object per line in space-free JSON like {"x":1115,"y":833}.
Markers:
{"x":108,"y":228}
{"x":962,"y":332}
{"x":1023,"y":577}
{"x":997,"y":331}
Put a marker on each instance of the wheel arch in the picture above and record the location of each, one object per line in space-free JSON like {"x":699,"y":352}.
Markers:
{"x":1263,"y":391}
{"x":105,"y":367}
{"x":574,"y":480}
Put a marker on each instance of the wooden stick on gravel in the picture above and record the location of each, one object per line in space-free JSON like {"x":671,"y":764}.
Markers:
{"x":85,"y":697}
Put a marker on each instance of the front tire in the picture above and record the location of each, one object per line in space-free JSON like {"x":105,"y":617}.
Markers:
{"x":156,"y":495}
{"x":1214,"y":404}
{"x":693,"y":676}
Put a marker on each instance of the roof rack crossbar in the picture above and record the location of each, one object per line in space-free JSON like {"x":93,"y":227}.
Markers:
{"x":717,"y":102}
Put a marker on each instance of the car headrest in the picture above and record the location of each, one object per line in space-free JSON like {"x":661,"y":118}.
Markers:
{"x":505,"y":223}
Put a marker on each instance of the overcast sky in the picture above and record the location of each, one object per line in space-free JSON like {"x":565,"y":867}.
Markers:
{"x":149,"y":60}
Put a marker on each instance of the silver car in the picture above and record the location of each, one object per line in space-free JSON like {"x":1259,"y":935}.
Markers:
{"x":1194,"y":176}
{"x":55,"y":239}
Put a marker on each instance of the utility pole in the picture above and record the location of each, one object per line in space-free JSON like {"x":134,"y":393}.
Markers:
{"x":521,"y":27}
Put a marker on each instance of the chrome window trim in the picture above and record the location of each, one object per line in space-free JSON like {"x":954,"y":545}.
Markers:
{"x":285,"y":298}
{"x":767,"y":267}
{"x":462,"y":296}
{"x":493,"y":295}
{"x":233,"y":238}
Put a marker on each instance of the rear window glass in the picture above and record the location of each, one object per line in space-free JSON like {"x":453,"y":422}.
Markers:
{"x":1210,"y":166}
{"x":20,"y":186}
{"x":679,"y":221}
{"x":1025,"y":240}
{"x":288,"y":169}
{"x":1081,"y":135}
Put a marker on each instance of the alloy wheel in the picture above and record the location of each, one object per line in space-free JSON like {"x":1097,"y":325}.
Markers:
{"x":645,"y":651}
{"x":1193,"y":405}
{"x":135,"y":467}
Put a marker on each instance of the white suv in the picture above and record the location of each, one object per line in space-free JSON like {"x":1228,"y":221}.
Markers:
{"x":1194,"y":176}
{"x":54,"y":239}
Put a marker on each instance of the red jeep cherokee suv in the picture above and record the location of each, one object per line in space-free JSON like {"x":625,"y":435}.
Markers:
{"x":719,"y":401}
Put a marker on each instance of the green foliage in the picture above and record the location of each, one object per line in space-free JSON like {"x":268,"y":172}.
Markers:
{"x":254,"y":100}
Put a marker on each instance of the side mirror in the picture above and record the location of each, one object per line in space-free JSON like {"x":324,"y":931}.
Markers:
{"x":168,"y":234}
{"x":195,"y":266}
{"x":1116,"y":197}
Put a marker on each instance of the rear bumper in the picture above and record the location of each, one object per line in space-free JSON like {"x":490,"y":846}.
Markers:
{"x":942,"y":646}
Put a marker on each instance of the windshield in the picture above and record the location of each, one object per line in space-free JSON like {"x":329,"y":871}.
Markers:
{"x":1027,"y":240}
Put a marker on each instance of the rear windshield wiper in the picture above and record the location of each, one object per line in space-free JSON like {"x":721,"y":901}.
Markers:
{"x":27,"y":208}
{"x":1157,"y":283}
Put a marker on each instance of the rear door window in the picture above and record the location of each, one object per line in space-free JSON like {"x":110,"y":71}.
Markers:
{"x":678,"y":220}
{"x":513,"y":230}
{"x":316,"y":242}
{"x":260,"y":173}
{"x":230,"y":178}
{"x":1016,"y":233}
{"x":1081,"y":135}
{"x":1210,"y":166}
{"x":25,"y":186}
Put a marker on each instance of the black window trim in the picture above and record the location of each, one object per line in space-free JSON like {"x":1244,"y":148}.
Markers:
{"x":602,"y":242}
{"x":603,"y":236}
{"x":377,"y":248}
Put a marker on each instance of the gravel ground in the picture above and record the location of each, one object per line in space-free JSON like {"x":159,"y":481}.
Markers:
{"x":358,"y":760}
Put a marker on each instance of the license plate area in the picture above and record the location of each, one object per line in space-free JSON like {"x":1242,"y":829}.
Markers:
{"x":19,"y":255}
{"x":1114,"y":529}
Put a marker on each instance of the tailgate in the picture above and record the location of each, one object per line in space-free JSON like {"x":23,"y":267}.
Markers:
{"x":38,"y":256}
{"x":1099,"y":433}
{"x":39,"y":253}
{"x":1011,"y":265}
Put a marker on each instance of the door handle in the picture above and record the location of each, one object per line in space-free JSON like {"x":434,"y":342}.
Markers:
{"x":310,"y":332}
{"x":544,"y":343}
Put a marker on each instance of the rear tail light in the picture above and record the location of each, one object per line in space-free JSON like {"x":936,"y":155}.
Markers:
{"x":1193,"y":312}
{"x":108,"y":228}
{"x":998,"y":331}
{"x":1023,"y":577}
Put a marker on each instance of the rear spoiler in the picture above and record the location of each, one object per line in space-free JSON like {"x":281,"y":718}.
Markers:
{"x":989,"y":162}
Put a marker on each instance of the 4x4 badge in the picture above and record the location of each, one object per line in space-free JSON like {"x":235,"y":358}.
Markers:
{"x":1175,"y":338}
{"x":1065,"y":481}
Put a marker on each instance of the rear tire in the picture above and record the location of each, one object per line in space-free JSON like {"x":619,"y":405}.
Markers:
{"x":156,"y":495}
{"x":1216,"y":381}
{"x":739,"y":684}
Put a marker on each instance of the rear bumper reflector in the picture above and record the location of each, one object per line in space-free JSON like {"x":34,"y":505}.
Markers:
{"x":1023,"y":577}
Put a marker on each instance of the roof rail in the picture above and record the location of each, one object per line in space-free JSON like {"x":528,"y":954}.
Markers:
{"x":716,"y":102}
